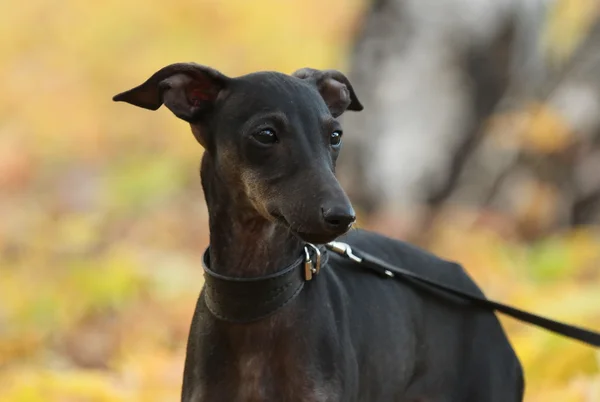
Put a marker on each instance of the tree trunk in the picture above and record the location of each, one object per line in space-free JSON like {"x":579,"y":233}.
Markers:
{"x":432,"y":77}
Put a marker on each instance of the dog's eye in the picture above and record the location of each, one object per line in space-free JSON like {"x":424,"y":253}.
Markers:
{"x":336,"y":138}
{"x":265,"y":136}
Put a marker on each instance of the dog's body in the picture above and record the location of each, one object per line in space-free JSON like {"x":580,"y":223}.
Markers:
{"x":352,"y":336}
{"x":347,"y":335}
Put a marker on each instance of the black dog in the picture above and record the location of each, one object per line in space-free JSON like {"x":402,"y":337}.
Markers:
{"x":263,"y":330}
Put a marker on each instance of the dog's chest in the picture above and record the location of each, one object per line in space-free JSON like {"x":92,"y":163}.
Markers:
{"x":261,"y":379}
{"x":268,"y":362}
{"x":255,"y":378}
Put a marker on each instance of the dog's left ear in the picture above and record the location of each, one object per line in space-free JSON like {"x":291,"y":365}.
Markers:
{"x":334,"y":87}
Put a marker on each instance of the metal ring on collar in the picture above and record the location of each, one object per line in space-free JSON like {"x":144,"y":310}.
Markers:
{"x":311,"y":268}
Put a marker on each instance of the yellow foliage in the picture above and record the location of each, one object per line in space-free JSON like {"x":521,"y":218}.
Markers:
{"x":567,"y":24}
{"x":537,"y":128}
{"x":76,"y":386}
{"x":545,"y":130}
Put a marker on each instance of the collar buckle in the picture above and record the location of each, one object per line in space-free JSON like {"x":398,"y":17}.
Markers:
{"x":311,"y":267}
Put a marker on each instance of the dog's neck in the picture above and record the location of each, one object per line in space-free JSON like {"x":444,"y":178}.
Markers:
{"x":242,"y":242}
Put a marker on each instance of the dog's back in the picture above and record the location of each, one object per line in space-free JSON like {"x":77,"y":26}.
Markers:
{"x":429,"y":345}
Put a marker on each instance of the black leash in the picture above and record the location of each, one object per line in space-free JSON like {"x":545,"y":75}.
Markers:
{"x":390,"y":271}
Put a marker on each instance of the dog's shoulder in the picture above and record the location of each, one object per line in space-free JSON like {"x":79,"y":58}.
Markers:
{"x":411,"y":257}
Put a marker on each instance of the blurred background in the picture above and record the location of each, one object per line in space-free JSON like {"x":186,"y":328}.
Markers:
{"x":480,"y":141}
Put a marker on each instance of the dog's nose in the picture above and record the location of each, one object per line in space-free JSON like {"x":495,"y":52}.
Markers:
{"x":339,"y":218}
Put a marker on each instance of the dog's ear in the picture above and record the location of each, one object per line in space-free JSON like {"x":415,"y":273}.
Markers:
{"x":189,"y":90}
{"x":334,"y":87}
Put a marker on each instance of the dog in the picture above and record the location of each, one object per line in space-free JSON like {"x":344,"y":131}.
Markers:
{"x":281,"y":319}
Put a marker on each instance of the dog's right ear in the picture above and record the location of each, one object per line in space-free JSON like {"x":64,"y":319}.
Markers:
{"x":189,"y":90}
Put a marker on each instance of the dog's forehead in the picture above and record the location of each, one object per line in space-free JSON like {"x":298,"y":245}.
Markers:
{"x":276,"y":91}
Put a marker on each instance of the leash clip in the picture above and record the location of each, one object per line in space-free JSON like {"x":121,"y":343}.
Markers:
{"x":344,"y":250}
{"x":311,"y":268}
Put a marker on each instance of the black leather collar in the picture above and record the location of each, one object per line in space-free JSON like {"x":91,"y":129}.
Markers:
{"x":244,"y":300}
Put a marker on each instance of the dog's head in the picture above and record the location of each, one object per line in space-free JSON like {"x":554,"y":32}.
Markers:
{"x":274,"y":137}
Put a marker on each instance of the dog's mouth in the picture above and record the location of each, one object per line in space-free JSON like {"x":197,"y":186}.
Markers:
{"x":309,"y":237}
{"x":316,"y":238}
